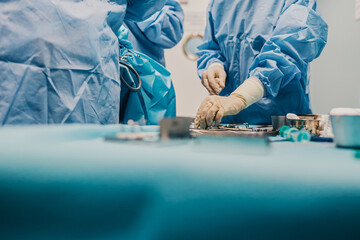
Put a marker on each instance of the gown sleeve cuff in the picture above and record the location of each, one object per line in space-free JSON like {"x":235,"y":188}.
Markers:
{"x":252,"y":90}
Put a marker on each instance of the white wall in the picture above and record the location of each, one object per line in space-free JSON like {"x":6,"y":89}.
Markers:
{"x":335,"y":76}
{"x":189,"y":91}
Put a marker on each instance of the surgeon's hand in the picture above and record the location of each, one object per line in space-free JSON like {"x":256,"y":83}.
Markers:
{"x":214,"y":108}
{"x":214,"y":79}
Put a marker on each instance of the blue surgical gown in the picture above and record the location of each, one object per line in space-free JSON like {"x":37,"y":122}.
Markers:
{"x":273,"y":40}
{"x":59,"y":59}
{"x":161,"y":31}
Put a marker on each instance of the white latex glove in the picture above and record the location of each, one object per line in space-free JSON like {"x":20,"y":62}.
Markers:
{"x":214,"y":108}
{"x":214,"y":78}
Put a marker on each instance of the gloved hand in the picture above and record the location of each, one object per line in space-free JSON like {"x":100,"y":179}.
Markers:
{"x":214,"y":78}
{"x":214,"y":108}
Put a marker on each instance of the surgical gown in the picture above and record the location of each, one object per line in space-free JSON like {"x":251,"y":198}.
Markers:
{"x":59,"y":59}
{"x":161,"y":31}
{"x":273,"y":40}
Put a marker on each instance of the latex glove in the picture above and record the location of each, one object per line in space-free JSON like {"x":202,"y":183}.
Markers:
{"x":214,"y":78}
{"x":214,"y":108}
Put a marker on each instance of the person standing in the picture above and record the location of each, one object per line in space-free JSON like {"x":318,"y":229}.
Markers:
{"x":255,"y":59}
{"x":59,"y":60}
